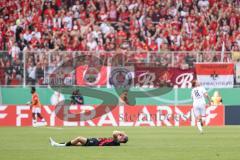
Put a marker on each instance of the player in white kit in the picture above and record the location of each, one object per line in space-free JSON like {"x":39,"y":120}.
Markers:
{"x":198,"y":95}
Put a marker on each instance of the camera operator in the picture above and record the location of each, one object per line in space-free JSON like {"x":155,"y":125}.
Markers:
{"x":77,"y":98}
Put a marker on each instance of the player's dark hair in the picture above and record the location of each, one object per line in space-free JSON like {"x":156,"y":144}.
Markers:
{"x":194,"y":83}
{"x":77,"y":91}
{"x":125,"y":140}
{"x":33,"y":90}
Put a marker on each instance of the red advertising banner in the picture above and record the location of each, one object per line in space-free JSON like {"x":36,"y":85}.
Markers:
{"x":215,"y":75}
{"x":181,"y":77}
{"x":91,"y":76}
{"x":157,"y":76}
{"x":143,"y":76}
{"x":20,"y":115}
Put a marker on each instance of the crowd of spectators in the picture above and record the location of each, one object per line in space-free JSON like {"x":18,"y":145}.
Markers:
{"x":35,"y":28}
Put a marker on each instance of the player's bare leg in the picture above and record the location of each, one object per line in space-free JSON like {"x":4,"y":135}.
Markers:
{"x":79,"y":141}
{"x":199,"y":124}
{"x":41,"y":118}
{"x":34,"y":119}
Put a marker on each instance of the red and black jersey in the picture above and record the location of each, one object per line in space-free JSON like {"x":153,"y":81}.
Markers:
{"x":108,"y":142}
{"x":102,"y":142}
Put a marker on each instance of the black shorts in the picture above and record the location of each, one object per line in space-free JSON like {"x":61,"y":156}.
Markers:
{"x":92,"y":142}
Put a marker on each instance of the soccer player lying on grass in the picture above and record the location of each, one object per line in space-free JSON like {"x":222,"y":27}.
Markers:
{"x":117,"y":138}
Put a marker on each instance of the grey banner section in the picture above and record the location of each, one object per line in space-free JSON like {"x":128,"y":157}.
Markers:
{"x":232,"y":115}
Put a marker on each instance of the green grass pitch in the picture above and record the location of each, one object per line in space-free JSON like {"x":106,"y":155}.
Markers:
{"x":145,"y":143}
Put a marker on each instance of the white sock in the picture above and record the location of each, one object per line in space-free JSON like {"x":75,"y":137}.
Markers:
{"x":55,"y":144}
{"x":34,"y":121}
{"x":59,"y":145}
{"x":199,"y":126}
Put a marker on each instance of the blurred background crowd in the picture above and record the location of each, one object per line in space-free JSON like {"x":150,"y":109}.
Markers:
{"x":33,"y":33}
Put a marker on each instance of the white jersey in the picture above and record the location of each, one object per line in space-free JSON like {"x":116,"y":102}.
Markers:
{"x":198,"y":96}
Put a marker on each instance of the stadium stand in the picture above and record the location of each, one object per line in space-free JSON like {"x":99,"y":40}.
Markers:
{"x":31,"y":29}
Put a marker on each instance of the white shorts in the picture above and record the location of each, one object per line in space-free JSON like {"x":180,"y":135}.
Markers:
{"x":199,"y":110}
{"x":36,"y":110}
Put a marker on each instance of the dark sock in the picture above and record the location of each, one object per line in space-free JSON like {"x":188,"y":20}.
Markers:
{"x":33,"y":116}
{"x":68,"y":143}
{"x":40,"y":116}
